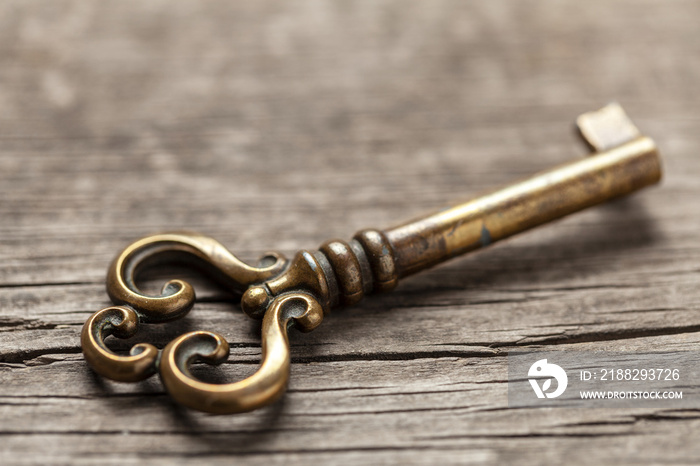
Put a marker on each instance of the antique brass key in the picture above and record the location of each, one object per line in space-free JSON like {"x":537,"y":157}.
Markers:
{"x":299,"y":292}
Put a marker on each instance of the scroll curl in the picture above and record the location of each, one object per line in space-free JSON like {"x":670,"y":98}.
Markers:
{"x":261,"y":388}
{"x":122,"y":322}
{"x":177,"y":296}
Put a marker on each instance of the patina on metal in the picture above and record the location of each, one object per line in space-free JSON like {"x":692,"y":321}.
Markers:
{"x":299,"y":292}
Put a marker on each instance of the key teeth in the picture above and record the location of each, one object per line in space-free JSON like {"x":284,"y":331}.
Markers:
{"x":607,"y":128}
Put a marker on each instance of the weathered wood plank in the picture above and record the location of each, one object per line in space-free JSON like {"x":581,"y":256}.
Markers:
{"x":277,"y":126}
{"x":440,"y":408}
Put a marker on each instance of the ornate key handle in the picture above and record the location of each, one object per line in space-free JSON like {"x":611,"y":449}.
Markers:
{"x":299,"y":292}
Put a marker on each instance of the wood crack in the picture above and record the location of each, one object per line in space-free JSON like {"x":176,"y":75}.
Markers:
{"x":24,"y":356}
{"x":8,"y":324}
{"x":47,"y":284}
{"x":612,"y":335}
{"x":490,"y":349}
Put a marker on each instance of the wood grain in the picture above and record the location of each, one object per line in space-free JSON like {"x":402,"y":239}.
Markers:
{"x":278,"y":125}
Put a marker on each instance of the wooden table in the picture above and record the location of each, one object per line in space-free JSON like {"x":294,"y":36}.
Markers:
{"x":276,"y":124}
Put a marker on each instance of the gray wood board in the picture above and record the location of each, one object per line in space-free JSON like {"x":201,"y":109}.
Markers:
{"x":278,"y":125}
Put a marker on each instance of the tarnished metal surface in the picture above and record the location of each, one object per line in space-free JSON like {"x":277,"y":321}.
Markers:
{"x":545,"y":197}
{"x":299,"y":292}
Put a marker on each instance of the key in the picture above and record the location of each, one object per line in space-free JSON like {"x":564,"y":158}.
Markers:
{"x":300,"y":292}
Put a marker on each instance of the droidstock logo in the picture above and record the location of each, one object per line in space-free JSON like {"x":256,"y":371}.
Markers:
{"x":545,"y":372}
